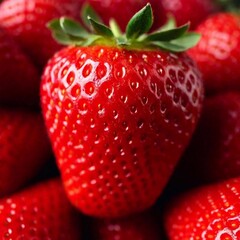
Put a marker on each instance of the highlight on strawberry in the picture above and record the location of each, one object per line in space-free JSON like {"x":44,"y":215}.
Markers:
{"x":120,"y":109}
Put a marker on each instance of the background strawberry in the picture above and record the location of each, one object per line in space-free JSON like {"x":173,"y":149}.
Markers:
{"x":26,"y":21}
{"x":218,"y":51}
{"x":210,"y":212}
{"x":194,"y":11}
{"x":24,"y":148}
{"x":119,"y":118}
{"x":142,"y":226}
{"x":213,"y":153}
{"x":19,"y":78}
{"x":122,"y":10}
{"x":39,"y":212}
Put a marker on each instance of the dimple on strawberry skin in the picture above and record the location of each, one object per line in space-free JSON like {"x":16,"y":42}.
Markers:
{"x":119,"y":111}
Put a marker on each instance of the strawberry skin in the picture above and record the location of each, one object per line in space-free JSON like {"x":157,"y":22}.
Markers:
{"x":116,"y":9}
{"x":183,"y":10}
{"x":19,"y":78}
{"x":39,"y":212}
{"x":24,"y":148}
{"x":118,"y":121}
{"x":142,"y":226}
{"x":29,"y":27}
{"x":218,"y":52}
{"x":209,"y":212}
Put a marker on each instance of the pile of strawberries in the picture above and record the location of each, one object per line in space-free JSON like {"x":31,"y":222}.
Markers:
{"x":128,"y":132}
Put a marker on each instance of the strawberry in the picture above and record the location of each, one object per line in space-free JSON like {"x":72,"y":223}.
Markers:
{"x":213,"y":153}
{"x":116,"y":9}
{"x":184,"y":10}
{"x":24,"y":148}
{"x":119,"y":112}
{"x":218,"y":52}
{"x":26,"y":21}
{"x":19,"y":78}
{"x":209,"y":212}
{"x":142,"y":226}
{"x":39,"y":212}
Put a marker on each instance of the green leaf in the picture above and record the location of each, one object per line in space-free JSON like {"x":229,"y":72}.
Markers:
{"x":62,"y":38}
{"x":88,"y":11}
{"x":115,"y":28}
{"x":91,"y":40}
{"x":100,"y":29}
{"x":181,"y":44}
{"x":188,"y":40}
{"x":168,"y":35}
{"x":168,"y":46}
{"x":54,"y":25}
{"x":140,"y":23}
{"x":72,"y":28}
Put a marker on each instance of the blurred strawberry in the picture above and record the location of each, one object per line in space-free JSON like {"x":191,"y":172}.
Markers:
{"x":209,"y":212}
{"x":26,"y":21}
{"x":218,"y":52}
{"x":19,"y":80}
{"x":39,"y":212}
{"x":143,"y":226}
{"x":122,"y":10}
{"x":213,"y":153}
{"x":24,"y":148}
{"x":194,"y":11}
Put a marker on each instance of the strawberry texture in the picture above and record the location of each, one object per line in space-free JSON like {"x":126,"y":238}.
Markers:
{"x":118,"y":121}
{"x":19,"y":78}
{"x":218,"y":52}
{"x":41,"y":211}
{"x":26,"y":22}
{"x":208,"y":212}
{"x":24,"y":148}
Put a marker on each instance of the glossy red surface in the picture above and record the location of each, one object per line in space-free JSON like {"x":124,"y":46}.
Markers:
{"x":118,"y":121}
{"x":210,"y":212}
{"x":218,"y":52}
{"x":39,"y":212}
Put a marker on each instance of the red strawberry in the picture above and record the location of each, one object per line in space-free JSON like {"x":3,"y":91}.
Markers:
{"x":39,"y":212}
{"x":119,"y":117}
{"x":142,"y":226}
{"x":19,"y":79}
{"x":213,"y":153}
{"x":218,"y":52}
{"x":122,"y":11}
{"x":194,"y":11}
{"x":26,"y":21}
{"x":24,"y":148}
{"x":210,"y":212}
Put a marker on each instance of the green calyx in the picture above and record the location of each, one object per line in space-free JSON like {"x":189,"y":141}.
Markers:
{"x":169,"y":37}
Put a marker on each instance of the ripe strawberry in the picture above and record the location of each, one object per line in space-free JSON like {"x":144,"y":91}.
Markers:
{"x":218,"y":52}
{"x":138,"y":227}
{"x":24,"y":148}
{"x":119,"y":116}
{"x":122,"y":11}
{"x":194,"y":11}
{"x":19,"y":78}
{"x":26,"y":21}
{"x":39,"y":212}
{"x":209,"y":212}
